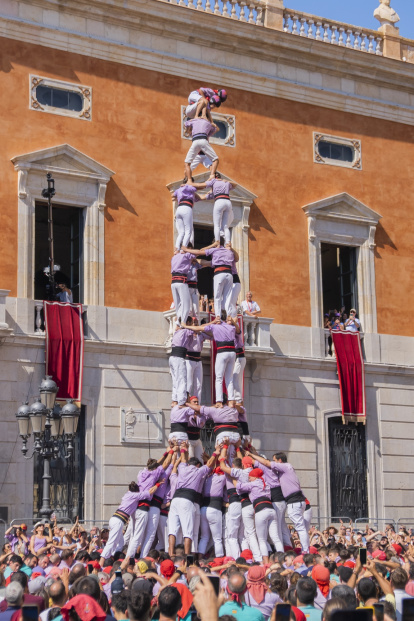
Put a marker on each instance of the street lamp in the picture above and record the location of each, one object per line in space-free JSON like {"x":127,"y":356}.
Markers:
{"x":50,"y":425}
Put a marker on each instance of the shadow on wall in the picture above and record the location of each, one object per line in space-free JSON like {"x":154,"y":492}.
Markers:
{"x":382,"y":240}
{"x":116,"y":200}
{"x":258,"y":222}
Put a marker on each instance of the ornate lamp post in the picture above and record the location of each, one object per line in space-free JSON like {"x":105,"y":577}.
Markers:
{"x":50,"y":270}
{"x":50,"y":425}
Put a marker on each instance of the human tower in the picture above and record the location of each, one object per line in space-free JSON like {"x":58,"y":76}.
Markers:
{"x":234,"y":499}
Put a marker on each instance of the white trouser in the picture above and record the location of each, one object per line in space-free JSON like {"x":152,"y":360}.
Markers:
{"x":211,"y":521}
{"x":182,"y":512}
{"x":182,"y":302}
{"x":196,"y":147}
{"x":265,"y":521}
{"x":194,"y":377}
{"x":307,"y":518}
{"x":238,"y":374}
{"x":232,"y":300}
{"x":193,"y":99}
{"x":221,"y":213}
{"x":223,"y":369}
{"x":178,"y":372}
{"x":151,"y":530}
{"x":194,"y":302}
{"x":115,"y":539}
{"x":233,"y":437}
{"x":184,"y":225}
{"x":137,"y":537}
{"x":295,"y":512}
{"x":162,"y":531}
{"x":250,"y":531}
{"x":197,"y":518}
{"x":223,"y":284}
{"x":280,"y":508}
{"x":195,"y":449}
{"x":201,"y":159}
{"x":178,"y":436}
{"x":233,"y":521}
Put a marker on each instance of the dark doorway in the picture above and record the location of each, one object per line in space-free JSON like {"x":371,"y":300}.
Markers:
{"x":339,"y":277}
{"x":68,"y":476}
{"x":348,"y":469}
{"x":68,"y":246}
{"x":204,"y":236}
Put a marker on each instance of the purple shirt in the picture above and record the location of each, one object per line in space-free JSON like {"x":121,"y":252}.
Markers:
{"x":182,"y":338}
{"x":289,"y":481}
{"x":130,"y":501}
{"x":173,"y":486}
{"x":218,"y":186}
{"x":180,"y":415}
{"x":192,"y":272}
{"x":186,"y":193}
{"x":220,"y":256}
{"x":221,"y":331}
{"x":196,"y":421}
{"x":266,"y":605}
{"x":196,"y":344}
{"x":214,"y":485}
{"x":207,"y":92}
{"x":181,"y":263}
{"x":190,"y":476}
{"x":16,"y":544}
{"x":163,"y":488}
{"x":239,"y":340}
{"x":39,"y":544}
{"x":148,"y":478}
{"x":200,"y":126}
{"x":241,"y":474}
{"x":225,"y":414}
{"x":270,"y":476}
{"x":254,"y":488}
{"x":234,"y":267}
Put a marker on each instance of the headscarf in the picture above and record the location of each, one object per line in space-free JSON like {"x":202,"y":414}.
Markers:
{"x":167,"y":568}
{"x":247,"y":462}
{"x":218,"y":470}
{"x":247,"y":554}
{"x":257,"y":473}
{"x":186,"y":599}
{"x":321,"y":576}
{"x":86,"y":608}
{"x":255,"y":582}
{"x":397,"y":548}
{"x":235,"y":597}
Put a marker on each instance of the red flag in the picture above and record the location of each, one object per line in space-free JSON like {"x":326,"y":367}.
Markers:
{"x":351,"y":375}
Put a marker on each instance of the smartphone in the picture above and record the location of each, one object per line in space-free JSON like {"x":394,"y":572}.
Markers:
{"x":363,"y":555}
{"x":215,"y":581}
{"x":408,"y":609}
{"x":378,"y":612}
{"x":90,"y":568}
{"x":190,"y":559}
{"x":361,"y":614}
{"x":30,"y":613}
{"x":283,"y":612}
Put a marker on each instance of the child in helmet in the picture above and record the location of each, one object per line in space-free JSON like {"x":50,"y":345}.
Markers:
{"x":202,"y":100}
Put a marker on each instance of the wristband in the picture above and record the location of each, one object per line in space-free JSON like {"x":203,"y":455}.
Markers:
{"x":183,"y":451}
{"x":165,"y":454}
{"x":214,"y":455}
{"x":222,"y":459}
{"x":157,"y":484}
{"x":171,"y":452}
{"x":225,"y":446}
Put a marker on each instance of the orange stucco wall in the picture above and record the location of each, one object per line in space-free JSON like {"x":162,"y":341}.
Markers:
{"x":136,"y":132}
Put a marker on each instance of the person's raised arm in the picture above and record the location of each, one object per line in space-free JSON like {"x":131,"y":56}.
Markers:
{"x":260,"y":459}
{"x":211,"y":461}
{"x":215,"y":244}
{"x":222,"y":460}
{"x":368,"y":539}
{"x":197,"y":186}
{"x":383,"y":583}
{"x":236,"y":255}
{"x":197,"y":328}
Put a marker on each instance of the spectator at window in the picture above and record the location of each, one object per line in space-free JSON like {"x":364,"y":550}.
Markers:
{"x":352,"y":324}
{"x":65,"y":294}
{"x":249,"y":307}
{"x":337,"y":326}
{"x":326,"y":321}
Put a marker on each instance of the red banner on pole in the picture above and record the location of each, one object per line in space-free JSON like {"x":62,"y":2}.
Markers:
{"x":64,"y":348}
{"x":351,"y":375}
{"x":213,"y":351}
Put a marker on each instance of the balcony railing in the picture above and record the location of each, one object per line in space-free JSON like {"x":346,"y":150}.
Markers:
{"x":39,"y":319}
{"x":250,"y":11}
{"x":329,"y":346}
{"x":335,"y":33}
{"x":256,"y":332}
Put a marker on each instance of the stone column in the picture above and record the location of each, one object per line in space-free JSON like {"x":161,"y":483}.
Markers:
{"x":274,"y":14}
{"x":392,"y":42}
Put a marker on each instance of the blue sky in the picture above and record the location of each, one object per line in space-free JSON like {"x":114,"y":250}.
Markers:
{"x":357,"y":12}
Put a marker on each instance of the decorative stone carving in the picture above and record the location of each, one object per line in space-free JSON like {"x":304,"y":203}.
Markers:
{"x":386,"y":15}
{"x":141,"y":426}
{"x":227,"y":119}
{"x":84,"y":91}
{"x":355,"y":145}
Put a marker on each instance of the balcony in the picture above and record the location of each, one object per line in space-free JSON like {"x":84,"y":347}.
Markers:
{"x":256,"y":334}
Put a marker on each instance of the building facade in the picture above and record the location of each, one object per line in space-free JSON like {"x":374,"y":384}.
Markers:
{"x":317,"y":132}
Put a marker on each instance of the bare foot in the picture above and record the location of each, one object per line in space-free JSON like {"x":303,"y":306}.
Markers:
{"x":219,"y":404}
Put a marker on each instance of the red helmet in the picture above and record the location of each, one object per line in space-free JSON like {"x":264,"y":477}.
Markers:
{"x":222,"y":94}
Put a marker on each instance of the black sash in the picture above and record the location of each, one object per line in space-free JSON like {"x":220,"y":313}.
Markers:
{"x":193,"y":433}
{"x":240,"y":352}
{"x":295,"y":497}
{"x":182,"y":427}
{"x":216,"y":502}
{"x":199,"y":137}
{"x":185,"y":492}
{"x":276,"y":494}
{"x":193,"y":355}
{"x":178,"y":352}
{"x":223,"y":346}
{"x":192,"y":284}
{"x":245,"y":500}
{"x":244,"y":428}
{"x":220,"y":427}
{"x":236,"y":278}
{"x":225,"y":196}
{"x":121,"y":515}
{"x":185,"y":203}
{"x":156,"y":502}
{"x":233,"y":495}
{"x":177,"y":278}
{"x":144,"y":505}
{"x":262,"y":503}
{"x":222,"y":269}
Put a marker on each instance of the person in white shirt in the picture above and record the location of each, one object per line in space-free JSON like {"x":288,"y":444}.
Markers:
{"x":352,"y":324}
{"x":249,"y":307}
{"x":65,"y":294}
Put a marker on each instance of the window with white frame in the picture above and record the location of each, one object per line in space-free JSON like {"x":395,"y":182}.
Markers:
{"x":226,"y":123}
{"x":63,"y":98}
{"x":337,"y":151}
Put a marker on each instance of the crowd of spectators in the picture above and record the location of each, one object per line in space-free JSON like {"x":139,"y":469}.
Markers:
{"x":341,"y":321}
{"x":55,"y":574}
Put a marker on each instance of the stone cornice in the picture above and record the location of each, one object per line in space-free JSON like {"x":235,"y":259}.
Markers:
{"x":159,"y":36}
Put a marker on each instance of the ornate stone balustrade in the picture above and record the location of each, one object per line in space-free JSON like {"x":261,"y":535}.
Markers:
{"x":250,"y":11}
{"x":256,"y":333}
{"x":335,"y":33}
{"x":329,"y":346}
